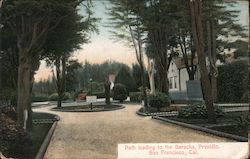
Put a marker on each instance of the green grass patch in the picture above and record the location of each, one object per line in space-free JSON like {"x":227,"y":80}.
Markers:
{"x":37,"y":135}
{"x":36,"y":116}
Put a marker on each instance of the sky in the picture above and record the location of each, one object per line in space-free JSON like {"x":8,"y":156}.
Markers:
{"x":102,"y":48}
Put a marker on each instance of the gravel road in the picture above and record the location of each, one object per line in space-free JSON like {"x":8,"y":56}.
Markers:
{"x":95,"y":135}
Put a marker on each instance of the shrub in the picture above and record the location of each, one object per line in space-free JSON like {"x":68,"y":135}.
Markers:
{"x":95,"y":87}
{"x":120,"y":92}
{"x":159,"y":100}
{"x":8,"y":97}
{"x":197,"y":110}
{"x":232,"y":82}
{"x":54,"y":96}
{"x":39,"y":98}
{"x":12,"y":136}
{"x":99,"y":94}
{"x":67,"y":96}
{"x":135,"y":97}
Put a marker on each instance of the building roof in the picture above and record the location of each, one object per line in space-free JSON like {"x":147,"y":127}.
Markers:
{"x":180,"y":64}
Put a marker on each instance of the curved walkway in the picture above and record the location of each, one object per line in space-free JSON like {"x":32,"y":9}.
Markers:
{"x":96,"y":135}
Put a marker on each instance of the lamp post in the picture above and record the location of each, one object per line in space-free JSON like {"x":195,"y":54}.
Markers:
{"x":91,"y":80}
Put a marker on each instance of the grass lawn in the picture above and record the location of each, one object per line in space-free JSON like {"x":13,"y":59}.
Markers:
{"x":36,"y":116}
{"x":37,"y":135}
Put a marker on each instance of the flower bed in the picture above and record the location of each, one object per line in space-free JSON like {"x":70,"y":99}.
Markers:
{"x":16,"y":143}
{"x":227,"y":126}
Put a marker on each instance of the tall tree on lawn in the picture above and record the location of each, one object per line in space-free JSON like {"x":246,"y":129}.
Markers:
{"x":195,"y":6}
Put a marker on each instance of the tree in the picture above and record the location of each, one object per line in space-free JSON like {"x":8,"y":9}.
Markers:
{"x":159,"y":20}
{"x":31,"y":21}
{"x":224,"y":23}
{"x":197,"y":28}
{"x":71,"y":75}
{"x":107,"y":91}
{"x":64,"y":40}
{"x":124,"y":77}
{"x":130,"y":29}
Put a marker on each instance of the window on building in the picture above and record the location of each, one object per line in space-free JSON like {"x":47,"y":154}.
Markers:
{"x":170,"y":82}
{"x":175,"y":82}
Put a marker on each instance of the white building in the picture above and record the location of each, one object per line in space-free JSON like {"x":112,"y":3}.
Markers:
{"x":178,"y":75}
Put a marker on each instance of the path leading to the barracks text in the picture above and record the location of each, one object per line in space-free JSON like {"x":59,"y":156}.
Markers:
{"x":96,"y":135}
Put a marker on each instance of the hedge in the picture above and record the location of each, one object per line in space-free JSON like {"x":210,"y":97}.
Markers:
{"x":233,"y":82}
{"x":39,"y":98}
{"x":99,"y":94}
{"x":135,"y":97}
{"x":54,"y":96}
{"x":120,"y":92}
{"x":159,"y":100}
{"x":197,"y":110}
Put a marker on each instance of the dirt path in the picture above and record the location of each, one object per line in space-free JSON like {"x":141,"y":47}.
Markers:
{"x":96,"y":135}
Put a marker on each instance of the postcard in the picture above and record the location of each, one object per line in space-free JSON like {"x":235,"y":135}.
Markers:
{"x":124,"y":79}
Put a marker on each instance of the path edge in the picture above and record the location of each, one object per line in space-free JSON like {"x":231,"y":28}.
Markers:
{"x":199,"y":128}
{"x":89,"y":111}
{"x":40,"y":154}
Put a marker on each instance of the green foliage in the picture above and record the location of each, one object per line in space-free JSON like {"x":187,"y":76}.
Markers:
{"x":197,"y":110}
{"x":8,"y":96}
{"x":98,"y":72}
{"x":43,"y":88}
{"x":72,"y":81}
{"x":96,"y":87}
{"x":124,"y":77}
{"x":240,"y":46}
{"x":136,"y":74}
{"x":232,"y":82}
{"x":39,"y":98}
{"x":13,"y":137}
{"x":135,"y":97}
{"x":159,"y":100}
{"x":54,"y":96}
{"x":120,"y":92}
{"x":99,"y":94}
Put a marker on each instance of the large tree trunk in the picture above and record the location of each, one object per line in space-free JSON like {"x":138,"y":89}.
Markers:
{"x":215,"y":71}
{"x":58,"y":82}
{"x":29,"y":121}
{"x":212,"y":58}
{"x":195,"y":6}
{"x":151,"y":72}
{"x":23,"y":99}
{"x":63,"y":74}
{"x":60,"y":76}
{"x":163,"y":79}
{"x":107,"y":91}
{"x":144,"y":93}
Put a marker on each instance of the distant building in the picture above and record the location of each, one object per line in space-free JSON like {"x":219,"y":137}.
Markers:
{"x":178,"y":75}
